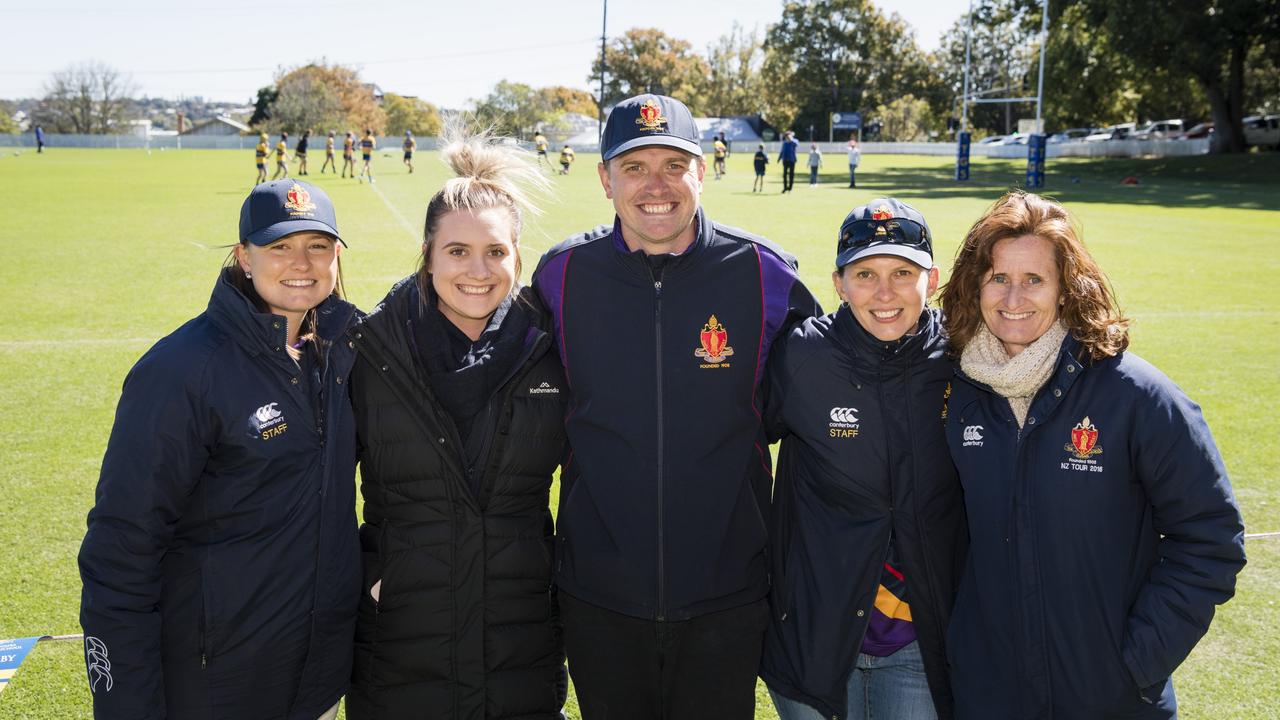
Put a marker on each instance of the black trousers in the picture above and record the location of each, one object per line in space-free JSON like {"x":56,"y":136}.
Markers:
{"x":788,"y":174}
{"x":627,"y":668}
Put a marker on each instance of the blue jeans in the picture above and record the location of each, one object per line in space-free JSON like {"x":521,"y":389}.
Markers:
{"x":888,"y":688}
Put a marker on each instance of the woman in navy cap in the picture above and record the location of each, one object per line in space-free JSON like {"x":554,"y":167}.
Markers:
{"x":867,"y":536}
{"x":221,"y":564}
{"x":459,"y":401}
{"x":1102,"y":524}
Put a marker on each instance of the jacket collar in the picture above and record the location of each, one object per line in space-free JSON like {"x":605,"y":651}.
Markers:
{"x":266,"y":333}
{"x":702,"y":237}
{"x":388,"y":323}
{"x":869,"y":353}
{"x":1068,"y":370}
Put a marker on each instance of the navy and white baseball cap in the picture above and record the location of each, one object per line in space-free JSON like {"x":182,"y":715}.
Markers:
{"x":282,"y":207}
{"x":646,"y":120}
{"x":886,"y":226}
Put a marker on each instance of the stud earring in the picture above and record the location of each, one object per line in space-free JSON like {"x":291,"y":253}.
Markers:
{"x":248,"y":275}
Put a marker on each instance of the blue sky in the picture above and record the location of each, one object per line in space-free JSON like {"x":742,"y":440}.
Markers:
{"x":444,"y":52}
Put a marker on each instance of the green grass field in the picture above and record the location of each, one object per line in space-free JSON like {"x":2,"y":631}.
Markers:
{"x":108,"y":250}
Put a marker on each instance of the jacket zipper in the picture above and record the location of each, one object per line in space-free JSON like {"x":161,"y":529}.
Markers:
{"x":657,"y":327}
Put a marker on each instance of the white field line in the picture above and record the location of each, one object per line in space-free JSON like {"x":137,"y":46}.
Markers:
{"x":1261,"y":536}
{"x":404,"y":223}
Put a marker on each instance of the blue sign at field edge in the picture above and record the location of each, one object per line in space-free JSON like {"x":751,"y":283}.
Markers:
{"x":1035,"y":160}
{"x":962,"y":156}
{"x":12,"y":653}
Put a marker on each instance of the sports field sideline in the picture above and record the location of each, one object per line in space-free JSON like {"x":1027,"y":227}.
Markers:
{"x":108,"y":250}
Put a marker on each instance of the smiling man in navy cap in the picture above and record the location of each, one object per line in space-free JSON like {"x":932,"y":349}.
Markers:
{"x":664,"y":321}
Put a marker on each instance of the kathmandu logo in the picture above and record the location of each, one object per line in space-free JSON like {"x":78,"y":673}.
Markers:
{"x":267,"y":422}
{"x":544,"y":389}
{"x":298,"y":200}
{"x":973,"y":436}
{"x":844,"y":415}
{"x":95,"y":659}
{"x":651,"y":118}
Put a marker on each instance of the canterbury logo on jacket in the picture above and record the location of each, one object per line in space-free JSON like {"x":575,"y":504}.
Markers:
{"x":663,"y":503}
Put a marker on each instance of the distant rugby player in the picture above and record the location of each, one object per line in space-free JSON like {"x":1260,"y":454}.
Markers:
{"x":329,"y":161}
{"x":540,"y":144}
{"x":410,"y":145}
{"x":367,"y":145}
{"x":282,"y":157}
{"x":566,"y":159}
{"x":300,"y":152}
{"x":348,"y":154}
{"x":260,"y":157}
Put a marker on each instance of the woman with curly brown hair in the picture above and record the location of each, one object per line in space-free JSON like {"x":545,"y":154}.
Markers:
{"x":1103,"y":528}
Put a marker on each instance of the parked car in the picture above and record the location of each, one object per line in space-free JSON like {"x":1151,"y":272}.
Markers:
{"x":1262,"y":130}
{"x":993,"y":140}
{"x":1159,"y":130}
{"x":1203,"y":130}
{"x":1070,"y":135}
{"x":1113,"y":132}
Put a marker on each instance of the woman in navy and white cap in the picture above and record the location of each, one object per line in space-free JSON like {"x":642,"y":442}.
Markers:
{"x":221,"y":566}
{"x":868,"y":531}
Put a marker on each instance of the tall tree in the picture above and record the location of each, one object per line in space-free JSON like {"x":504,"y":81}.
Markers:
{"x":262,"y":105}
{"x":735,"y":85}
{"x":89,"y":97}
{"x":407,"y":113}
{"x":7,"y":125}
{"x":827,"y":56}
{"x":319,"y":96}
{"x":511,"y":108}
{"x":1208,"y":41}
{"x":648,"y":60}
{"x":906,"y":119}
{"x":558,"y":99}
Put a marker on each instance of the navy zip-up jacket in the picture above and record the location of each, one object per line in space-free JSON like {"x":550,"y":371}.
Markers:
{"x":864,"y":458}
{"x":1102,"y":538}
{"x":221,"y":566}
{"x":663,"y":501}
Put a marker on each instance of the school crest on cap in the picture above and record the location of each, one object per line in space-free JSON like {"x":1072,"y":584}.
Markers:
{"x":882,"y":213}
{"x":715,"y":343}
{"x":651,"y":118}
{"x":298,"y":200}
{"x":1084,"y":440}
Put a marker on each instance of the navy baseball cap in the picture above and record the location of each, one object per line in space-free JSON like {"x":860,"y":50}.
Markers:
{"x":281,"y":207}
{"x":886,"y":226}
{"x":646,"y":120}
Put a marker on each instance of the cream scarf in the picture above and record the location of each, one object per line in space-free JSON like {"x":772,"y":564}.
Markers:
{"x":1015,"y":378}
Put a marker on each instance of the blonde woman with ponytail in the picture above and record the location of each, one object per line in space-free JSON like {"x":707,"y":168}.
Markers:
{"x":459,"y":399}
